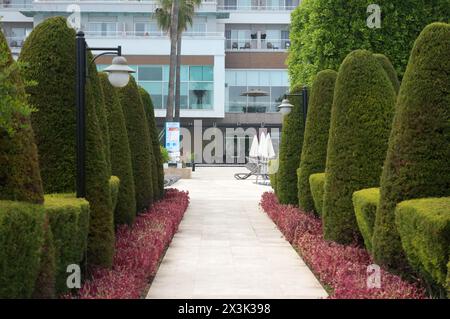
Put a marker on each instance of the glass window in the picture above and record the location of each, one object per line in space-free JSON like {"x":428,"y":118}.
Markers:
{"x":155,"y":91}
{"x":208,"y":73}
{"x":276,"y":95}
{"x":195,"y":73}
{"x":241,"y":78}
{"x":230,"y":78}
{"x":237,"y":102}
{"x":259,"y":104}
{"x":200,"y":95}
{"x":184,"y":73}
{"x":150,"y":73}
{"x":253,"y":78}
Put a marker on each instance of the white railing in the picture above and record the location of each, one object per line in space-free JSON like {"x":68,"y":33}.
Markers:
{"x":154,"y":34}
{"x":257,"y":44}
{"x":15,"y":4}
{"x":238,"y":7}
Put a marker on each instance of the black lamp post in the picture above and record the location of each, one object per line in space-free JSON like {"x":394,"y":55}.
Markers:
{"x":285,"y":107}
{"x":118,"y":76}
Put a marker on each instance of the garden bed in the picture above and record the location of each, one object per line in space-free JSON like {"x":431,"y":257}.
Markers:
{"x":344,"y":269}
{"x":139,"y":250}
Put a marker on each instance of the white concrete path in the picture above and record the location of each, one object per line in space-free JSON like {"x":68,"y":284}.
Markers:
{"x":227,"y":247}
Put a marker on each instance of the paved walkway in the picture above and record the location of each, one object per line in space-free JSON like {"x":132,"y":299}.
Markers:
{"x":227,"y":248}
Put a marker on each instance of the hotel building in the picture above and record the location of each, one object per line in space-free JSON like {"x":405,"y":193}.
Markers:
{"x":233,"y":47}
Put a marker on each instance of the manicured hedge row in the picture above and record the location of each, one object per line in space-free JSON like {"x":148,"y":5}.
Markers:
{"x":69,"y":223}
{"x":21,"y":240}
{"x":424,"y":228}
{"x":317,"y":183}
{"x":114,"y":184}
{"x":365,"y":203}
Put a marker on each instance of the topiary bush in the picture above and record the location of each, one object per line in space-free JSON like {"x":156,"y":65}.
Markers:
{"x":290,"y":149}
{"x":21,"y":240}
{"x":100,"y":108}
{"x":20,"y":177}
{"x":424,"y":228}
{"x":389,"y":69}
{"x":361,"y":119}
{"x":157,"y":165}
{"x":417,"y":159}
{"x":69,"y":223}
{"x":125,"y":209}
{"x":114,"y":185}
{"x":314,"y":151}
{"x":139,"y":140}
{"x":273,"y":169}
{"x":49,"y":52}
{"x":365,"y":203}
{"x":317,"y":183}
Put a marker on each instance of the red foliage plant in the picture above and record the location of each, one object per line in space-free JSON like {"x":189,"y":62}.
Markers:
{"x":138,"y":251}
{"x":343,"y":268}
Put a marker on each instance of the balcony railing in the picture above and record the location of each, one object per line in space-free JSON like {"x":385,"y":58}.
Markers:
{"x":257,"y":44}
{"x":228,"y":8}
{"x":153,"y":34}
{"x":15,"y":4}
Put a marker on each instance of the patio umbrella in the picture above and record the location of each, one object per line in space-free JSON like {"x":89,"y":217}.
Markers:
{"x":262,"y":149}
{"x":254,"y":148}
{"x":270,"y":150}
{"x":255,"y":93}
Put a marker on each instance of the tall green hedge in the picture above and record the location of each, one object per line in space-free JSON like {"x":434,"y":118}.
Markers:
{"x":290,"y":149}
{"x":121,"y":166}
{"x":49,"y":52}
{"x":20,"y":177}
{"x":361,"y":119}
{"x":389,"y":69}
{"x":314,"y":152}
{"x":100,"y":107}
{"x":323,"y":32}
{"x":417,"y":161}
{"x":139,"y":140}
{"x":424,"y":228}
{"x":158,"y":170}
{"x":21,"y":240}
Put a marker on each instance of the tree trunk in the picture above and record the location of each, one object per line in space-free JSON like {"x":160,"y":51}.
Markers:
{"x":173,"y":59}
{"x":178,"y":80}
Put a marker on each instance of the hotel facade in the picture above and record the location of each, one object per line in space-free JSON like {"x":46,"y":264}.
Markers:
{"x":232,"y":48}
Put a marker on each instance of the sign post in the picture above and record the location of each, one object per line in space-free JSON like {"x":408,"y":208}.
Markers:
{"x":173,"y":141}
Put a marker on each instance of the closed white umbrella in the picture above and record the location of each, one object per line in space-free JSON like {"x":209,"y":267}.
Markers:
{"x":262,"y":145}
{"x":254,"y":148}
{"x":270,"y":150}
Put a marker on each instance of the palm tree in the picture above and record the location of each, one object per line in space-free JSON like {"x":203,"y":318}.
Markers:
{"x":185,"y":13}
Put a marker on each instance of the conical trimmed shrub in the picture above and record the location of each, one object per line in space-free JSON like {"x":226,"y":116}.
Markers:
{"x":158,"y":171}
{"x":120,"y":155}
{"x":314,"y":152}
{"x":361,"y":119}
{"x":49,"y":52}
{"x":290,"y":150}
{"x":139,"y":140}
{"x":20,"y":178}
{"x":100,"y":108}
{"x":417,"y":161}
{"x":389,"y":69}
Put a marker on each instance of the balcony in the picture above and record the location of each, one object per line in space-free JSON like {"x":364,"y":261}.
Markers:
{"x":256,"y":5}
{"x":131,"y":6}
{"x":13,"y":5}
{"x":252,"y":45}
{"x":151,"y":35}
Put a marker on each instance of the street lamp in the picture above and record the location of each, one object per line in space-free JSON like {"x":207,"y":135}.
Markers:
{"x":118,"y":76}
{"x":285,"y":107}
